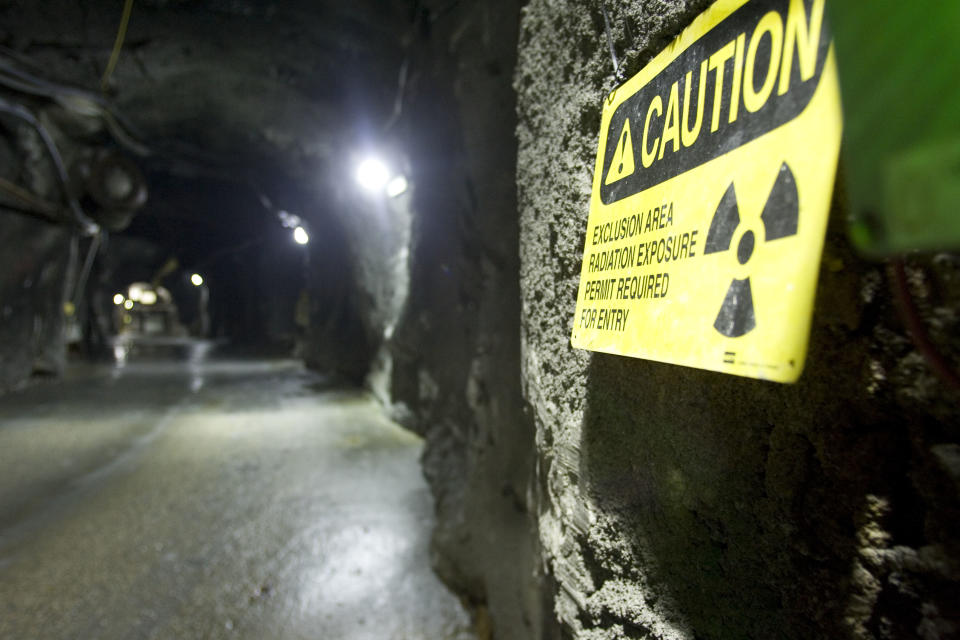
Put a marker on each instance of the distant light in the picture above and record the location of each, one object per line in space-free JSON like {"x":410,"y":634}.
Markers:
{"x":148,"y":297}
{"x":396,"y":186}
{"x":372,"y":174}
{"x":135,"y":292}
{"x":300,"y":236}
{"x":288,"y":220}
{"x":128,"y":305}
{"x":118,"y":299}
{"x":196,"y":279}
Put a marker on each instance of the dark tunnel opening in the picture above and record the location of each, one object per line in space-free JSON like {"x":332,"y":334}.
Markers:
{"x":310,"y":198}
{"x":291,"y":342}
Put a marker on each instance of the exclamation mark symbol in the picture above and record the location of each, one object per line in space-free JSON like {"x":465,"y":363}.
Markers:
{"x":623,"y":149}
{"x":622,"y":164}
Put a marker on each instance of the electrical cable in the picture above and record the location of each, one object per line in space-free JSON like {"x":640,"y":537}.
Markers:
{"x":613,"y":52}
{"x":915,"y":327}
{"x":49,"y":89}
{"x":84,"y":104}
{"x":88,"y":226}
{"x":125,"y":139}
{"x":118,"y":44}
{"x":32,"y":213}
{"x":36,"y":204}
{"x":87,"y":266}
{"x":76,"y":100}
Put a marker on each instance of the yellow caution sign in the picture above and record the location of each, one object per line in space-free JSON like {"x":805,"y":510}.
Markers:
{"x":712,"y":188}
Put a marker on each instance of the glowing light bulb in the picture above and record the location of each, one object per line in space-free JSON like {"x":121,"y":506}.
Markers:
{"x":128,"y":305}
{"x":196,"y":279}
{"x":300,"y":236}
{"x":396,"y":186}
{"x":118,"y":299}
{"x":372,"y":174}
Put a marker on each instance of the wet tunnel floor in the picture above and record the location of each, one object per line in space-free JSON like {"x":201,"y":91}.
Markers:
{"x":213,"y":499}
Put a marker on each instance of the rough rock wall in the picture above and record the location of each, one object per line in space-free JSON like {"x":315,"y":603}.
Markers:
{"x":337,"y":337}
{"x":359,"y":277}
{"x":38,"y":261}
{"x":678,"y":503}
{"x":455,"y":352}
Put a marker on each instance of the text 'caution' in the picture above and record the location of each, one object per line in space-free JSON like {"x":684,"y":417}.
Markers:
{"x":711,"y":193}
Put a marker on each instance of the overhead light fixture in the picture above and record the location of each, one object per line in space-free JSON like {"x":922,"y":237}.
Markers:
{"x":128,"y":305}
{"x":118,"y":299}
{"x":397,"y":186}
{"x":300,"y":236}
{"x":372,"y":174}
{"x":288,"y":219}
{"x":196,"y":279}
{"x":136,"y":290}
{"x":148,"y":297}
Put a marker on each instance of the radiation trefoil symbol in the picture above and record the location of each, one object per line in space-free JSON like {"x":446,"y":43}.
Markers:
{"x":780,"y":219}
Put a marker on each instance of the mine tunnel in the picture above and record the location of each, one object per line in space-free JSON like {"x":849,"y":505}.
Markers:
{"x":467,"y":319}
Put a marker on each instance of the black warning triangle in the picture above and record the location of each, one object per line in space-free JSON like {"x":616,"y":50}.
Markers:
{"x":736,"y":317}
{"x":724,"y":223}
{"x":781,"y":214}
{"x":622,"y":165}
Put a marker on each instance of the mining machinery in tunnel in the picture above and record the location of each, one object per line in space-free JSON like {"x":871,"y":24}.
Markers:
{"x":265,"y":264}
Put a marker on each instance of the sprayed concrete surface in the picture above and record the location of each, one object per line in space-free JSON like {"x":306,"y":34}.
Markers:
{"x":212,"y":499}
{"x":679,"y":504}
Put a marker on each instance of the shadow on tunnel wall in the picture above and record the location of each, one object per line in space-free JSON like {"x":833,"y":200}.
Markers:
{"x":337,"y":339}
{"x":759,"y":510}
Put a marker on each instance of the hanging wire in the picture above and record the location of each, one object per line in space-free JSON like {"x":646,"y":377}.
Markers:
{"x":83,"y":101}
{"x":117,"y":44}
{"x":613,"y":52}
{"x":618,"y":77}
{"x":35,"y":205}
{"x":85,"y":271}
{"x":74,"y":99}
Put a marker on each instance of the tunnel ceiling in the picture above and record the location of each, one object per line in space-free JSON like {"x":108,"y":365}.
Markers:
{"x":231,"y":76}
{"x":265,"y":95}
